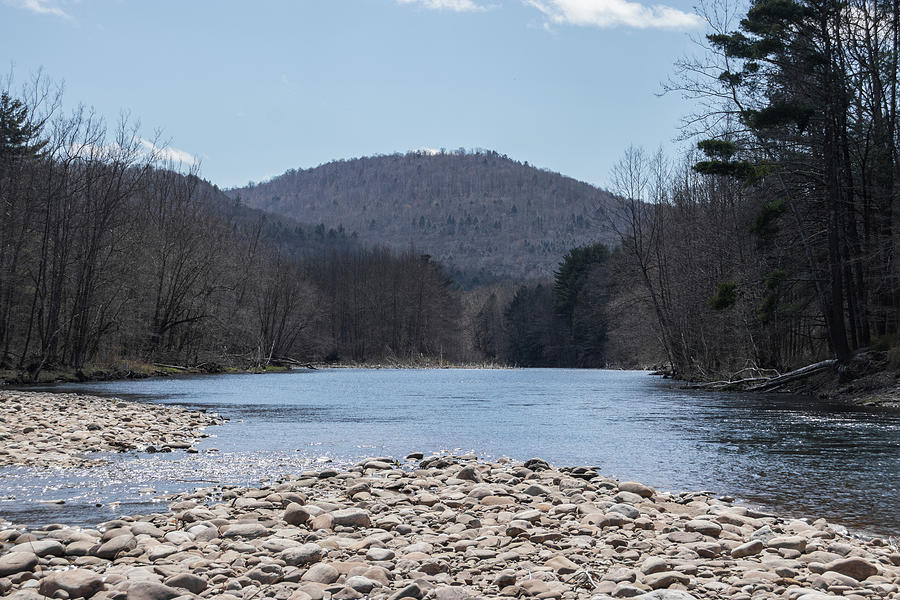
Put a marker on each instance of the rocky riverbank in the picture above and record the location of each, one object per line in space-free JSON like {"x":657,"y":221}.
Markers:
{"x":61,"y":430}
{"x":447,"y":528}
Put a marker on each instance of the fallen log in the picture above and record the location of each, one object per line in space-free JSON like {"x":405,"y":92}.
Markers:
{"x":801,"y":373}
{"x":763,"y":384}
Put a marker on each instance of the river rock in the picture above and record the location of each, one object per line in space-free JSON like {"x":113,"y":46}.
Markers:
{"x":267,"y":574}
{"x":351,"y":517}
{"x":149,"y":590}
{"x":362,"y":584}
{"x":78,"y":583}
{"x":188,"y":581}
{"x":16,"y":562}
{"x":626,"y":510}
{"x":428,"y":534}
{"x":117,"y":545}
{"x":751,"y":548}
{"x":636,"y":488}
{"x":321,"y":573}
{"x":296,"y":514}
{"x":561,"y":565}
{"x":855,"y":567}
{"x":704,"y":527}
{"x":664,"y":579}
{"x":302,"y":555}
{"x":411,"y":591}
{"x":795,"y":542}
{"x":244,"y":530}
{"x":654,"y":564}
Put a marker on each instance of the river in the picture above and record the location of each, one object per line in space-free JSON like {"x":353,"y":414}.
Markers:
{"x":791,"y":454}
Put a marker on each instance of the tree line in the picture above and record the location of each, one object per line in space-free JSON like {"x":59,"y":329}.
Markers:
{"x":774,"y":243}
{"x":111,"y":253}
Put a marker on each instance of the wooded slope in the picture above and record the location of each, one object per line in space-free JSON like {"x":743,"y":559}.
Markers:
{"x":481,"y":213}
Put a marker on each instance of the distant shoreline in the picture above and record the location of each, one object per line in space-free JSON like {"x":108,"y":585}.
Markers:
{"x":880,"y":389}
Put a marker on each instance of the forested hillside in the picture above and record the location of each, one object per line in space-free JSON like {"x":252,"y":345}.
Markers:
{"x":111,"y":257}
{"x":775,"y":243}
{"x":479,"y":213}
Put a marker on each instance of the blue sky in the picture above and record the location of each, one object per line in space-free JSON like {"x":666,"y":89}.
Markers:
{"x":251,"y":89}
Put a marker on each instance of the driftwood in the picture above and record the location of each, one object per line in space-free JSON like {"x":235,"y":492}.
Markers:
{"x":801,"y":373}
{"x":727,"y":384}
{"x":293,"y":362}
{"x":764,"y":384}
{"x":179,"y":367}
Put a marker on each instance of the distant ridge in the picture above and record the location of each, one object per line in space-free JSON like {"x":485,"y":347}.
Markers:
{"x":480,"y":213}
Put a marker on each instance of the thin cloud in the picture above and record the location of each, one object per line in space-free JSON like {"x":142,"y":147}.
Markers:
{"x":169,"y":154}
{"x":39,"y":7}
{"x":615,"y":13}
{"x":451,"y":5}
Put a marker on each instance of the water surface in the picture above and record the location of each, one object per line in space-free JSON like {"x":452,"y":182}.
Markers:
{"x":791,"y":454}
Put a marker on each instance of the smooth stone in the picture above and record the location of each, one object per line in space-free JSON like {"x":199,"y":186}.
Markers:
{"x":794,"y":542}
{"x":351,"y":517}
{"x":295,"y":514}
{"x":380,"y":554}
{"x":854,"y":567}
{"x":321,"y":573}
{"x":411,"y":591}
{"x":41,"y":548}
{"x":625,"y":509}
{"x":150,"y":590}
{"x":244,"y":530}
{"x":78,"y":583}
{"x":664,"y":579}
{"x":267,"y":574}
{"x":448,"y":592}
{"x":751,"y":548}
{"x":628,"y":498}
{"x":188,"y":581}
{"x":17,"y":562}
{"x":561,"y":565}
{"x":704,"y":527}
{"x":536,"y":490}
{"x":161,"y":551}
{"x":117,"y":545}
{"x":302,"y":555}
{"x":362,"y":584}
{"x":684,"y":537}
{"x":636,"y":488}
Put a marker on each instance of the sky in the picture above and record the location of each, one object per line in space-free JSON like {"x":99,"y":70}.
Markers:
{"x":252,"y":89}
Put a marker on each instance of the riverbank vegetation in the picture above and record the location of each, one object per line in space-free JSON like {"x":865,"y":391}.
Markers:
{"x":774,"y":244}
{"x":115,"y":261}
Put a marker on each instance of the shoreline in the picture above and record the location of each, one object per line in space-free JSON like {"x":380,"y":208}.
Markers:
{"x":448,"y":528}
{"x":64,"y":430}
{"x":880,"y":389}
{"x":61,"y":430}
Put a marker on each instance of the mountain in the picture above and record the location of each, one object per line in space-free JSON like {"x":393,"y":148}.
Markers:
{"x":482,"y":214}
